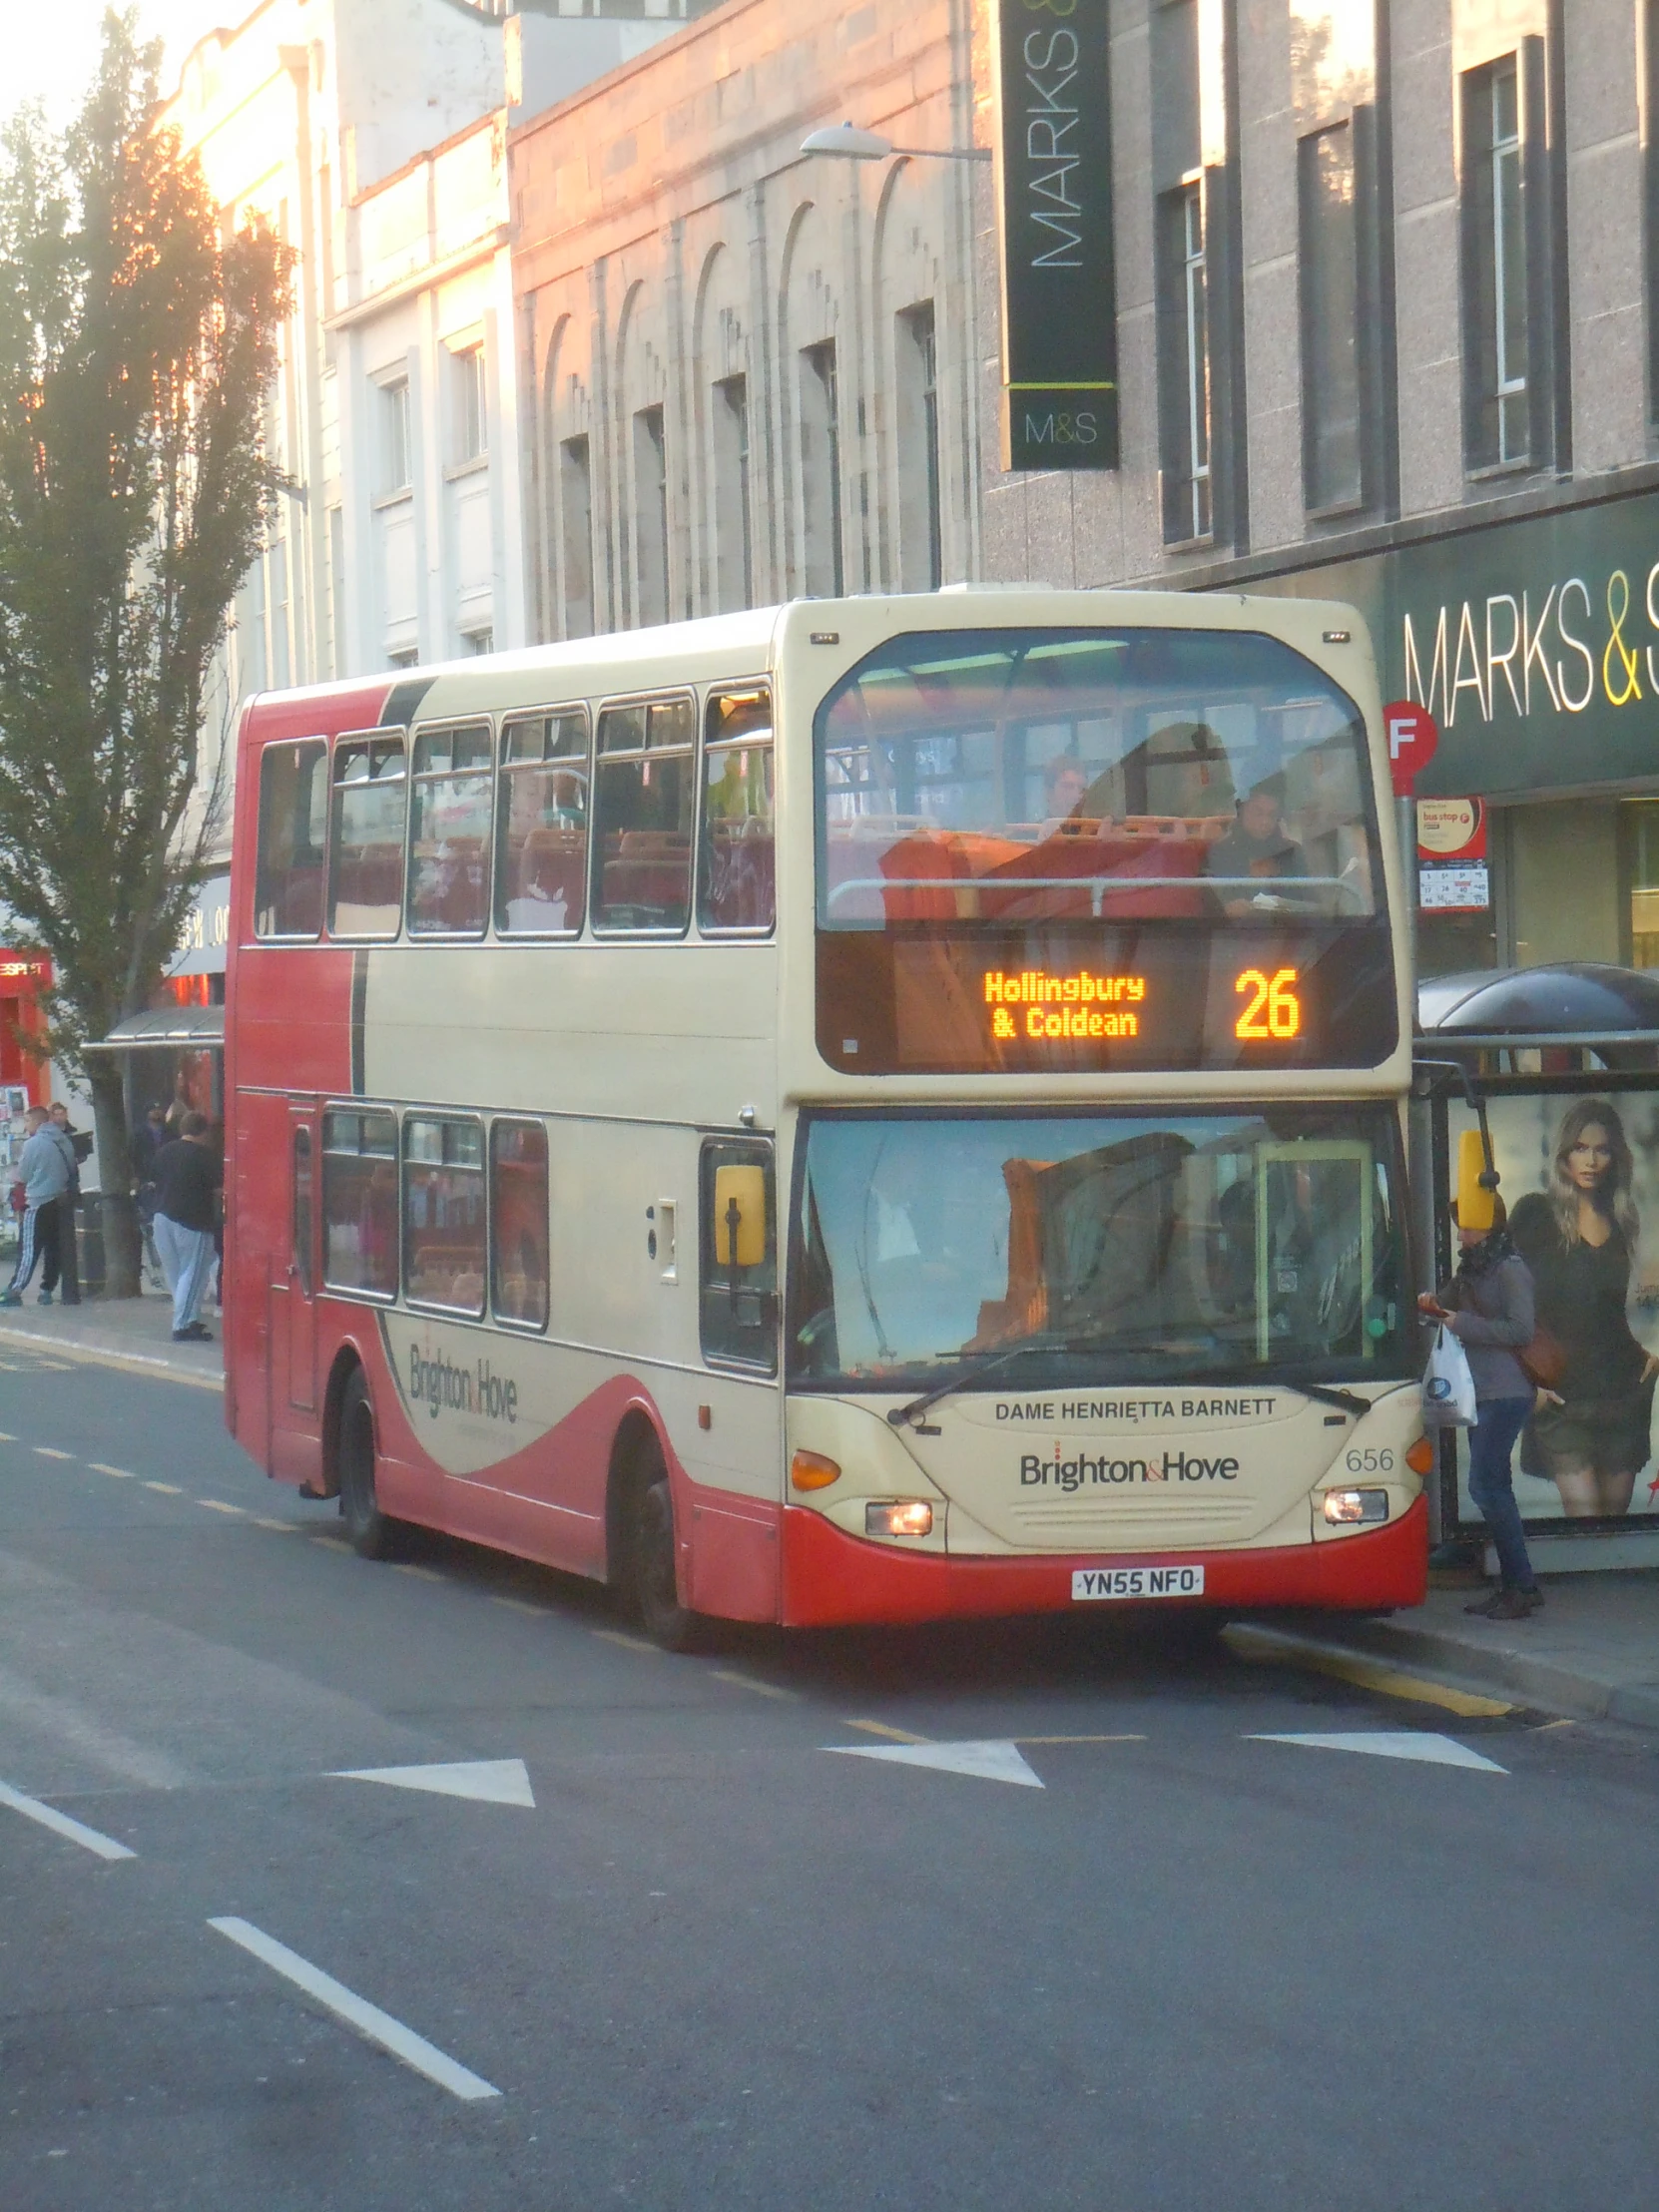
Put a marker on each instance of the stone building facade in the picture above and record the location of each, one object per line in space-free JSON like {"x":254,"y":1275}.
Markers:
{"x":1386,"y":317}
{"x":754,"y":370}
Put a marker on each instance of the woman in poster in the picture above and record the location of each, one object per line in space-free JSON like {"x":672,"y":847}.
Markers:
{"x":1590,"y":1434}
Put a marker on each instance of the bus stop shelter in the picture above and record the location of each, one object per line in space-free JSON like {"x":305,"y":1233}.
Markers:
{"x":1548,"y":1053}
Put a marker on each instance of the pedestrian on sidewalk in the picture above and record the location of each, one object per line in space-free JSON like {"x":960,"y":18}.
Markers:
{"x":43,"y":1171}
{"x":1489,"y":1307}
{"x":186,"y":1180}
{"x":145,"y":1141}
{"x":80,"y":1148}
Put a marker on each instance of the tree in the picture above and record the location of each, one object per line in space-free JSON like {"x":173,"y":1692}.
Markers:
{"x":138,"y":344}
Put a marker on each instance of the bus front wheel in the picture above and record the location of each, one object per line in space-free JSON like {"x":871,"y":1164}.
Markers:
{"x":655,"y":1590}
{"x":367,"y":1529}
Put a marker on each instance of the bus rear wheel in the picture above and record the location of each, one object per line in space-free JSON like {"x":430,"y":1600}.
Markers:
{"x":654,"y":1583}
{"x":368,"y":1530}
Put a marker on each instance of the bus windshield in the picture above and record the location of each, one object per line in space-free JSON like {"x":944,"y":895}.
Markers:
{"x":1130,"y":1248}
{"x":1161,"y":811}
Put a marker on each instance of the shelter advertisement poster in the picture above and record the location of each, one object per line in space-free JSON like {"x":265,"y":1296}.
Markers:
{"x":1579,"y":1174}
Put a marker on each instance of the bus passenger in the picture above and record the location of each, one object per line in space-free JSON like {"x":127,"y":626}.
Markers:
{"x":1257,"y":847}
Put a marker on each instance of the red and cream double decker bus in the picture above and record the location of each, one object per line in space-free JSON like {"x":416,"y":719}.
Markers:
{"x":875,"y":1110}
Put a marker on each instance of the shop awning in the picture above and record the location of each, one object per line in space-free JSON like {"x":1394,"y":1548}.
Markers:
{"x":1579,"y":1002}
{"x":179,"y":1028}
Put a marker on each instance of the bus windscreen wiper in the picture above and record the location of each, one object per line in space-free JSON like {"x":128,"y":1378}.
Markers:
{"x":966,"y":1377}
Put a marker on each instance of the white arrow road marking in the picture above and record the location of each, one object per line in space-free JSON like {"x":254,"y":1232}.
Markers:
{"x":1405,"y":1742}
{"x":489,"y":1781}
{"x":61,"y":1825}
{"x":987,"y":1762}
{"x":368,"y":2019}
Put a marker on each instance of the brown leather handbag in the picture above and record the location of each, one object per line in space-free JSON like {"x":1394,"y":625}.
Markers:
{"x":1544,"y":1361}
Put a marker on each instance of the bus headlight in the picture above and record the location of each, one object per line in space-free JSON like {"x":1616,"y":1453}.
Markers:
{"x":911,"y":1516}
{"x":1343,"y":1506}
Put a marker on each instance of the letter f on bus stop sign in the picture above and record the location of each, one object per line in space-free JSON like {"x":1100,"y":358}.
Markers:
{"x":1412,"y":742}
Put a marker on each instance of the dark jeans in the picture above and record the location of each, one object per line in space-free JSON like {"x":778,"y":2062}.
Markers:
{"x":1491,"y":1440}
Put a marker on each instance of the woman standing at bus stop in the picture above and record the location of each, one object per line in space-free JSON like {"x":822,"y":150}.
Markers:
{"x":1488,"y":1308}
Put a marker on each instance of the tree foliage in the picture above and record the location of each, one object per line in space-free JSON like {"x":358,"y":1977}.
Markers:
{"x":138,"y":344}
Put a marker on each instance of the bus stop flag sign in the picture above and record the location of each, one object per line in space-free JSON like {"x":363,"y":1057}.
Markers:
{"x":1054,"y":186}
{"x":1414,"y":741}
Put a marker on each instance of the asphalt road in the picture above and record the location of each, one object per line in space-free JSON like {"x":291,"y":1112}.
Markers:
{"x":719,"y":1961}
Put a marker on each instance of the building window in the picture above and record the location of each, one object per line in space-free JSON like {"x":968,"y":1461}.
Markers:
{"x":518,"y":1221}
{"x":821,"y":474}
{"x":734,"y":516}
{"x":407,"y":655}
{"x":444,"y":1237}
{"x":360,"y":1203}
{"x":1495,"y":267}
{"x":576,"y":518}
{"x":471,"y":406}
{"x":1329,"y":240}
{"x":920,"y":522}
{"x":650,"y":516}
{"x":1184,"y":424}
{"x":541,"y":870}
{"x":478,"y":642}
{"x":1642,"y":846}
{"x":396,"y":438}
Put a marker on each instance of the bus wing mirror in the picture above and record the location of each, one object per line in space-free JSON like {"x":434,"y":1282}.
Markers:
{"x":740,"y":1216}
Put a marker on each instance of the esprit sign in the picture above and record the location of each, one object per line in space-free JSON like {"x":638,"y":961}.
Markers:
{"x":1054,"y":175}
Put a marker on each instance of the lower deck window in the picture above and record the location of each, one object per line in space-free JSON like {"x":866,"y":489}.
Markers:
{"x":518,"y":1208}
{"x":360,"y":1203}
{"x":444,"y":1239}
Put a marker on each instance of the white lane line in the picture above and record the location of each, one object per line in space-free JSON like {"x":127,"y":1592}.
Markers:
{"x":122,"y":1474}
{"x":331,"y":1543}
{"x":277,"y":1527}
{"x":421,"y":1574}
{"x":629,"y":1643}
{"x":46,"y":1451}
{"x":61,"y":1825}
{"x":519,"y":1606}
{"x":218,"y":1505}
{"x":748,"y":1682}
{"x":167,"y":1489}
{"x":370,"y":2021}
{"x":6,"y":1436}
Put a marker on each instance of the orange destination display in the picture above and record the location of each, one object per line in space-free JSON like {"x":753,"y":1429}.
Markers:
{"x":1089,"y":850}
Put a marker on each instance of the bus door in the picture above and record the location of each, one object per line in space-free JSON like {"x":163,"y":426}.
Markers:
{"x":300,"y":1287}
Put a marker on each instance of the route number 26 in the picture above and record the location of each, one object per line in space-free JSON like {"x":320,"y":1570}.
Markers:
{"x":1274,"y":1010}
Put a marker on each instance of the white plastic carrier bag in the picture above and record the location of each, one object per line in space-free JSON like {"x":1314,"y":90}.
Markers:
{"x":1447,"y":1385}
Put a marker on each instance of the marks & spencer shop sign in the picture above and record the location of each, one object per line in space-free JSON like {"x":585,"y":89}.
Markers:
{"x":1054,"y":177}
{"x":1535,"y":645}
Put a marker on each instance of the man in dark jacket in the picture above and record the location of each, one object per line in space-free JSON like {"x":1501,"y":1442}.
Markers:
{"x":186,"y":1176}
{"x":79,"y":1150}
{"x":145,"y":1141}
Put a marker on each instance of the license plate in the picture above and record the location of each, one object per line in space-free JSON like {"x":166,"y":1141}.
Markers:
{"x":1094,"y":1583}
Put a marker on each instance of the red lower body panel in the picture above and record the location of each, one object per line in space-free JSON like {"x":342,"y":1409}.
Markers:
{"x":830,"y":1578}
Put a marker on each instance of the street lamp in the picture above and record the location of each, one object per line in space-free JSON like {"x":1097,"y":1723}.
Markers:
{"x":853,"y":145}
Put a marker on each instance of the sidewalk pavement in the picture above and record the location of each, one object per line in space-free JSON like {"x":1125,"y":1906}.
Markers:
{"x":134,"y":1333}
{"x":1592,"y":1652}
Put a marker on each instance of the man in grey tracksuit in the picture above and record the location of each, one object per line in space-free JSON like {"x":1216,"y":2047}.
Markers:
{"x":43,"y":1170}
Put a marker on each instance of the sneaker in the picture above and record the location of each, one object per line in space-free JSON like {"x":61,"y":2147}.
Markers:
{"x":193,"y":1333}
{"x":45,"y":1298}
{"x":11,"y":1298}
{"x":1506,"y":1605}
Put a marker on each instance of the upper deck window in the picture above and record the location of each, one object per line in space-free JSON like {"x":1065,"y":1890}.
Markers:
{"x":1187,"y":806}
{"x":450,"y":833}
{"x":645,"y":792}
{"x":541,"y":863}
{"x":365,"y":891}
{"x":736,"y":874}
{"x":294,"y":833}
